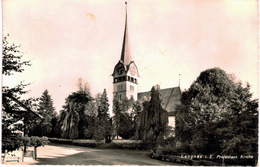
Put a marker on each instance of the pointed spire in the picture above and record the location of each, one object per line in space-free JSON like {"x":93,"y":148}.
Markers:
{"x":126,"y":56}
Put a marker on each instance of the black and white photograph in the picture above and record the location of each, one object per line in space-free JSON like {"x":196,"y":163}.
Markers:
{"x":128,"y":82}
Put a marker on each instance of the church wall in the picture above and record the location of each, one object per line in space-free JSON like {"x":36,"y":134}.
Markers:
{"x":131,"y":91}
{"x":171,"y":121}
{"x":125,"y":89}
{"x":120,"y":88}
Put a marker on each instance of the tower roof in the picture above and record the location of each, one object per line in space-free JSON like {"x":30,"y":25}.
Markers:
{"x":126,"y":56}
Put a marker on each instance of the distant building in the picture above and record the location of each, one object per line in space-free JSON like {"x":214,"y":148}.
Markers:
{"x":125,"y":81}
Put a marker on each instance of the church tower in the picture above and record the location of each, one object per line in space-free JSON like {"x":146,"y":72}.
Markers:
{"x":125,"y":75}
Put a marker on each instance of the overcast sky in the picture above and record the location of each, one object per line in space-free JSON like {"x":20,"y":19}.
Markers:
{"x":67,"y":40}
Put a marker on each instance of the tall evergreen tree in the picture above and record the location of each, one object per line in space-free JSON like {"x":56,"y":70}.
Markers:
{"x":117,"y":113}
{"x":154,"y":119}
{"x":47,"y":110}
{"x":104,"y":127}
{"x":136,"y":115}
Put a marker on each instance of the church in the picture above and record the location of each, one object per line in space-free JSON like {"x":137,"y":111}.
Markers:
{"x":125,"y":81}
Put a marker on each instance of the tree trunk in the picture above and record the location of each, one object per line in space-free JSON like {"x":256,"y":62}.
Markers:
{"x":24,"y":148}
{"x":35,"y":153}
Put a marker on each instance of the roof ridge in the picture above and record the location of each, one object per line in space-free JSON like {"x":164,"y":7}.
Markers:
{"x":169,"y":98}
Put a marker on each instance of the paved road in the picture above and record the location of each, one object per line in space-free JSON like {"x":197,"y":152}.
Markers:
{"x":60,"y":154}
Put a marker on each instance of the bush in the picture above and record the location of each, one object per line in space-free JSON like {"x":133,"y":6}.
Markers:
{"x":186,"y":148}
{"x":36,"y":141}
{"x":11,"y":142}
{"x":169,"y":150}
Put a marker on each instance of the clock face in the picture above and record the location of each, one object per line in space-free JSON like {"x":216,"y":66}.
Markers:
{"x":132,"y":70}
{"x":120,"y":69}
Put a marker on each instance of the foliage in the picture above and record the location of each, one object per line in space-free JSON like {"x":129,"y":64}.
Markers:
{"x":217,"y":115}
{"x":26,"y":141}
{"x":89,"y":121}
{"x":36,"y":141}
{"x":126,"y":129}
{"x":12,"y":60}
{"x":136,"y":115}
{"x":45,"y":109}
{"x":124,"y":117}
{"x":104,"y":127}
{"x":154,"y":119}
{"x":117,"y":113}
{"x":127,"y":124}
{"x":55,"y":130}
{"x":57,"y":124}
{"x":70,"y":122}
{"x":169,"y":150}
{"x":79,"y":114}
{"x":11,"y":110}
{"x":10,"y":141}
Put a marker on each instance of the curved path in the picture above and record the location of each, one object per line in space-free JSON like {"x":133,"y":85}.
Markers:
{"x":61,"y":154}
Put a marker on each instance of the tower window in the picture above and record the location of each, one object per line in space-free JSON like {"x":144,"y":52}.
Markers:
{"x":120,"y":79}
{"x":119,"y":87}
{"x":129,"y":78}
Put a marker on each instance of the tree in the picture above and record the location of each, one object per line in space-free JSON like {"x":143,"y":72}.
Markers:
{"x":117,"y":113}
{"x":123,"y":117}
{"x":127,"y":125}
{"x":90,"y":121}
{"x":35,"y":141}
{"x":78,"y":117}
{"x":104,"y":127}
{"x":136,"y":115}
{"x":47,"y":110}
{"x":154,"y":119}
{"x":242,"y":135}
{"x":12,"y":60}
{"x":126,"y":129}
{"x":73,"y":113}
{"x":157,"y":117}
{"x":11,"y":103}
{"x":217,"y":115}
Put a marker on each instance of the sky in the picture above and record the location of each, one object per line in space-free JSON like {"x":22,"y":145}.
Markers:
{"x":67,"y":40}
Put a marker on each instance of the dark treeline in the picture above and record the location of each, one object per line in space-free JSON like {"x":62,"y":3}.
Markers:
{"x":86,"y":117}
